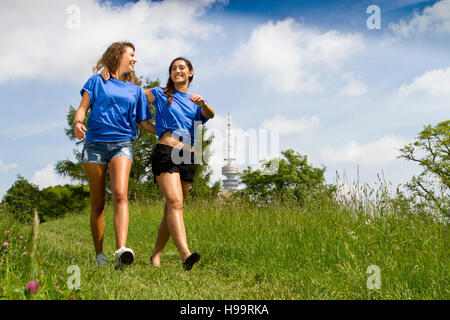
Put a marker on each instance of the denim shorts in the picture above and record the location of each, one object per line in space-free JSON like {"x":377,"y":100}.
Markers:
{"x":104,"y":152}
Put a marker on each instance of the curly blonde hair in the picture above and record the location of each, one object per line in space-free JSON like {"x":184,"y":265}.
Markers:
{"x":111,"y":60}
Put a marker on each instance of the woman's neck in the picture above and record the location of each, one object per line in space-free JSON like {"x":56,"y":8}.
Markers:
{"x":120,"y":75}
{"x":183,"y":87}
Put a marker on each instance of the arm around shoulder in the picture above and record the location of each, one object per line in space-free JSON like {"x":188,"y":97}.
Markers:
{"x":150,"y":96}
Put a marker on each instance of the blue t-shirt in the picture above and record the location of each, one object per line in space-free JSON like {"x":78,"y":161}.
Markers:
{"x":115,"y":108}
{"x":179,"y":117}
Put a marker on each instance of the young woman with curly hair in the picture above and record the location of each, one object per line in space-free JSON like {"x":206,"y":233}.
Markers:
{"x":116,"y":105}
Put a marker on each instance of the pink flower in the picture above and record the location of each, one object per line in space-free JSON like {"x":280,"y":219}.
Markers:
{"x":20,"y":237}
{"x":398,"y":248}
{"x":5,"y":245}
{"x":8,"y":232}
{"x":61,"y":278}
{"x":44,"y":260}
{"x":57,"y":288}
{"x":25,"y":253}
{"x":32,"y":286}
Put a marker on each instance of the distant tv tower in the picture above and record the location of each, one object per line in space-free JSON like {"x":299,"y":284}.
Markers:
{"x":229,"y":170}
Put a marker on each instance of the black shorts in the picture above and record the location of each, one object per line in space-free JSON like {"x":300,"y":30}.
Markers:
{"x":162,"y":162}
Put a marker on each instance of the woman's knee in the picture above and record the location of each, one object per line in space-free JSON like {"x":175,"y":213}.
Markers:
{"x":119,"y":197}
{"x":174,"y":203}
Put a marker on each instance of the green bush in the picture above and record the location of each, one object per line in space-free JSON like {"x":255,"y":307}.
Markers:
{"x":56,"y":201}
{"x":24,"y":197}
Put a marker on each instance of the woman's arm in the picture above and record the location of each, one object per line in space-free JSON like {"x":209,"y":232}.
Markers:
{"x":148,"y":126}
{"x":79,"y":128}
{"x":150,"y":96}
{"x":207,"y":110}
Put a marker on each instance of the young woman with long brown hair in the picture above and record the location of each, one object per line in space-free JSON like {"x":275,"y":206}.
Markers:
{"x":116,"y":105}
{"x":177,"y":113}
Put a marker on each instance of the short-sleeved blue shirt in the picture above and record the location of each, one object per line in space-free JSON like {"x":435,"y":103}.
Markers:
{"x":179,"y":117}
{"x":115,"y":108}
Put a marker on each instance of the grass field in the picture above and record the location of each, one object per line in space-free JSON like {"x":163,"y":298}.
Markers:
{"x":319,"y":251}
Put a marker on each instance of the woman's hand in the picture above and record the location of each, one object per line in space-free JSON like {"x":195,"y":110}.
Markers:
{"x":79,"y":130}
{"x":148,"y":126}
{"x":198,"y":100}
{"x":105,"y":74}
{"x":207,"y":110}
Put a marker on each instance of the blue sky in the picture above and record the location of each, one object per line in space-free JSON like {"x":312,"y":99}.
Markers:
{"x":342,"y":94}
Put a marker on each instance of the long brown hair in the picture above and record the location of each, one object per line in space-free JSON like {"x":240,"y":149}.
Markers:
{"x":170,"y":87}
{"x":111,"y":60}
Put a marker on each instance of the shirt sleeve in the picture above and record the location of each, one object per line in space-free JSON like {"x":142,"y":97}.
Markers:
{"x":199,"y":116}
{"x":156,"y":91}
{"x":89,"y":88}
{"x":142,"y":110}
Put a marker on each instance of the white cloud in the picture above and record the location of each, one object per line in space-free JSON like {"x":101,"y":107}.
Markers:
{"x":44,"y":41}
{"x":291,"y":58}
{"x":435,"y":83}
{"x":434,"y":19}
{"x":47,"y":177}
{"x":6,"y":167}
{"x":354,"y":87}
{"x":382,"y":151}
{"x":291,"y":126}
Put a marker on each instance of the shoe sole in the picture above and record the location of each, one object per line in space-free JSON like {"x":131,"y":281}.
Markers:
{"x":191,"y":260}
{"x":126,"y":258}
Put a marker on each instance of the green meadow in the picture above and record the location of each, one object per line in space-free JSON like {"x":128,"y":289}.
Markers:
{"x":321,"y":250}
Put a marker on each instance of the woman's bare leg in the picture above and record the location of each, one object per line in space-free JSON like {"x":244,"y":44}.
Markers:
{"x":163,"y":231}
{"x":172,"y":190}
{"x":119,"y":172}
{"x":96,"y":174}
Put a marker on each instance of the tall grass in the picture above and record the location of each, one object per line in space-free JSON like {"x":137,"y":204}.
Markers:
{"x":321,"y":250}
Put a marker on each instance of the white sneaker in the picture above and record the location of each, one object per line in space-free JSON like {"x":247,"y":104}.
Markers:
{"x":123,"y":256}
{"x":101,"y":260}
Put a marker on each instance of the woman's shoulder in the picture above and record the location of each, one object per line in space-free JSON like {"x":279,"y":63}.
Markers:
{"x":158,"y":90}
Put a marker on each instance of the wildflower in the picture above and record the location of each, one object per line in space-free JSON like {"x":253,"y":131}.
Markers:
{"x":25,"y":253}
{"x":8,"y":232}
{"x":61,"y":278}
{"x":5,"y":245}
{"x":42,"y":272}
{"x":398,"y":248}
{"x":57,"y":288}
{"x":20,"y":237}
{"x":32,"y":286}
{"x":44,"y":260}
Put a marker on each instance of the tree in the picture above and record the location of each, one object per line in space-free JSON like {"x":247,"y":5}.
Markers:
{"x":294,"y":178}
{"x":431,"y":150}
{"x":200,"y":187}
{"x":22,"y":199}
